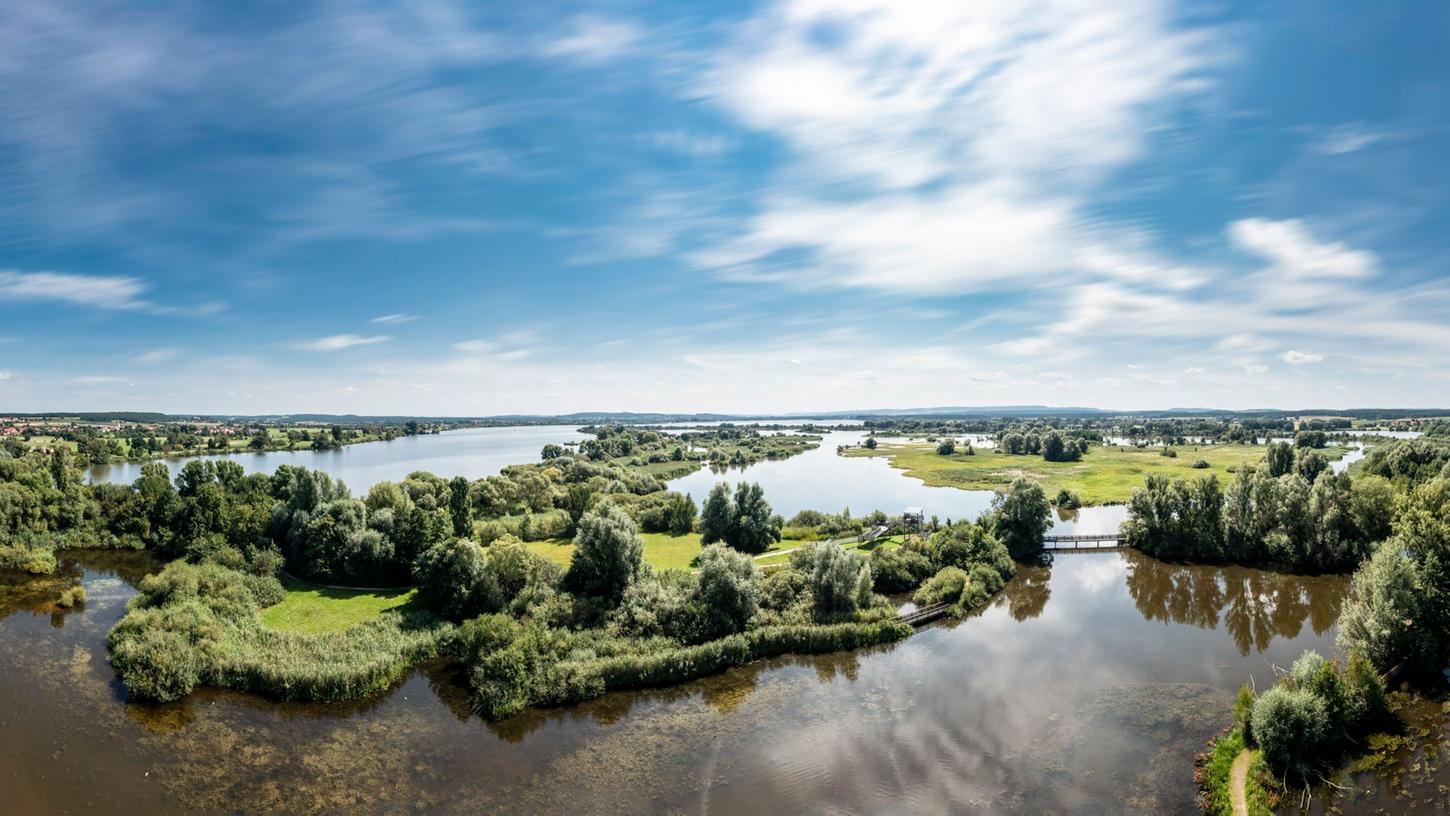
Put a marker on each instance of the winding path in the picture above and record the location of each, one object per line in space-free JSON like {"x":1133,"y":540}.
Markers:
{"x":1237,"y":780}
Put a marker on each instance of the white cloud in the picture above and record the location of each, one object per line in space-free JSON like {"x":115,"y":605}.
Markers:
{"x":394,"y":319}
{"x":475,"y":346}
{"x":98,"y":291}
{"x":691,"y":143}
{"x":1293,"y":357}
{"x":1256,"y":370}
{"x":926,"y":138}
{"x":1294,"y":253}
{"x":592,"y":38}
{"x":4,"y":375}
{"x":99,"y":379}
{"x":1351,"y":137}
{"x":338,"y":342}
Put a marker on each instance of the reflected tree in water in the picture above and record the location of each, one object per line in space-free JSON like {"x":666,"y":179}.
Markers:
{"x":1027,"y":595}
{"x":1174,"y":592}
{"x":1255,"y":606}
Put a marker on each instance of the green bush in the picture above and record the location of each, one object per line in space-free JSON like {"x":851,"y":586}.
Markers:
{"x":1290,"y":726}
{"x":36,"y":560}
{"x":531,"y":665}
{"x":899,"y":569}
{"x":944,"y":587}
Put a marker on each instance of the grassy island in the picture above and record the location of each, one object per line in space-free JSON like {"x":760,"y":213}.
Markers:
{"x":1106,"y":474}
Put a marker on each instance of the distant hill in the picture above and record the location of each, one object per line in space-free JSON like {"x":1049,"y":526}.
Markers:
{"x":645,"y":418}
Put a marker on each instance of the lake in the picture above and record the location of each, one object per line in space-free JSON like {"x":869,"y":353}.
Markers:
{"x":821,"y":479}
{"x":470,"y":452}
{"x":1086,"y":687}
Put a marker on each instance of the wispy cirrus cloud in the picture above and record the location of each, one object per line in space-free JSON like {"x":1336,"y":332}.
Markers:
{"x":157,"y":355}
{"x":394,"y":319}
{"x":338,"y":342}
{"x":593,"y":38}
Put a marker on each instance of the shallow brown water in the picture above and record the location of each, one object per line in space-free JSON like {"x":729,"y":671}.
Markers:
{"x":1086,"y":688}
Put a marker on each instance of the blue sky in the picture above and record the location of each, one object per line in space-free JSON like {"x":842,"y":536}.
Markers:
{"x":464,"y":208}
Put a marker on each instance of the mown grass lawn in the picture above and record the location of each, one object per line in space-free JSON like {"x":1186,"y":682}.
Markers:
{"x":863,"y":547}
{"x":661,"y":550}
{"x":1106,"y":475}
{"x":311,"y":609}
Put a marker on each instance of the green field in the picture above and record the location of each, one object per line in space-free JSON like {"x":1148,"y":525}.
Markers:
{"x":1106,"y":475}
{"x":661,"y":550}
{"x":311,"y":609}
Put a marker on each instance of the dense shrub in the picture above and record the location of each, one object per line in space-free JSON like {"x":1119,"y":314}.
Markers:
{"x":899,"y":569}
{"x":1315,"y":714}
{"x":944,"y":587}
{"x":1288,"y":724}
{"x":36,"y":560}
{"x":519,"y":664}
{"x":786,"y":591}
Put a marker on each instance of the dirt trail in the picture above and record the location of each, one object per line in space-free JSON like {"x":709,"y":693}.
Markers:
{"x":1237,"y":780}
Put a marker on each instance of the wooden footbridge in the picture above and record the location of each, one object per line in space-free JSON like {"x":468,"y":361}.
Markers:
{"x":921,"y":616}
{"x":1095,"y":541}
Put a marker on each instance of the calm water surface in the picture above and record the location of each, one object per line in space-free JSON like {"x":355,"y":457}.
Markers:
{"x":1086,"y":688}
{"x":821,"y":479}
{"x":471,"y":452}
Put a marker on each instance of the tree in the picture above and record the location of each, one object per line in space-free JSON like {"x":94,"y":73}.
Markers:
{"x":1309,"y":463}
{"x":577,"y":499}
{"x":946,"y":447}
{"x":1020,"y":517}
{"x":1059,"y":448}
{"x":1013,"y":443}
{"x":728,"y":589}
{"x":460,"y":510}
{"x":1422,"y":530}
{"x":1380,"y":614}
{"x":1280,"y":458}
{"x":754,"y":528}
{"x":1372,"y":507}
{"x":681,"y":514}
{"x":716,"y":516}
{"x":870,"y":443}
{"x":608,"y":553}
{"x":453,"y":580}
{"x":840,"y":582}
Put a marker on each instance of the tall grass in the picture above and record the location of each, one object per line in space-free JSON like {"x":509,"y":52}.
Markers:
{"x":198,"y":625}
{"x":517,"y":665}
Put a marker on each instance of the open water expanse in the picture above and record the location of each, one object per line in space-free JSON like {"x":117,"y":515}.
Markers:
{"x":1087,"y":687}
